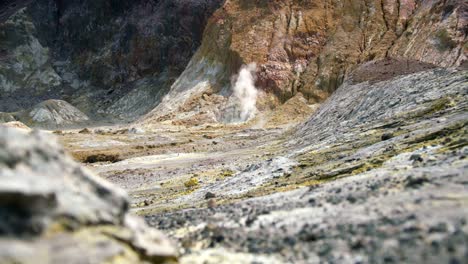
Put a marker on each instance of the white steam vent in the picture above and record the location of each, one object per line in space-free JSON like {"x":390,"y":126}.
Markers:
{"x":241,"y":106}
{"x":245,"y":91}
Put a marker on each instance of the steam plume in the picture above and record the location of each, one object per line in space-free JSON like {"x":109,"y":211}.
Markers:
{"x":245,"y":91}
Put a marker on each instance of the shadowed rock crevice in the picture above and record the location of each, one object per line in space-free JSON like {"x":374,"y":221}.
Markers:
{"x":22,"y":213}
{"x":9,"y":7}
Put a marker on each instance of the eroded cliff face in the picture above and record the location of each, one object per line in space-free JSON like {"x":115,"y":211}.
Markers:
{"x":311,"y":47}
{"x":114,"y":58}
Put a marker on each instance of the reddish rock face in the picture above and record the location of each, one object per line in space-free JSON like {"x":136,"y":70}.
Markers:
{"x":312,"y":46}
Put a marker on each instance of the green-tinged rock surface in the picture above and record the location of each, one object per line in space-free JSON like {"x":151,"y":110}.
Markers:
{"x":25,"y":64}
{"x":54,"y":211}
{"x":6,"y":117}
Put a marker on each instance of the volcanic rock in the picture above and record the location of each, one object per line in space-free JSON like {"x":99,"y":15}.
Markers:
{"x":53,"y":114}
{"x":48,"y":202}
{"x":312,"y":47}
{"x":116,"y":59}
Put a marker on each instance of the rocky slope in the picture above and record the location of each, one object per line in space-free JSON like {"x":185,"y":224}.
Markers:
{"x":114,"y":58}
{"x":312,"y":47}
{"x":53,"y":114}
{"x":377,"y":174}
{"x":387,"y":184}
{"x":54,"y":211}
{"x":50,"y":114}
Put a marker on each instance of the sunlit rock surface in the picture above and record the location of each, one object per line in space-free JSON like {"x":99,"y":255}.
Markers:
{"x":54,"y":114}
{"x":312,"y":47}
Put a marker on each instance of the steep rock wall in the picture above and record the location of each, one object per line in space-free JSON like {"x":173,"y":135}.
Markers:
{"x":113,"y":57}
{"x":311,"y":47}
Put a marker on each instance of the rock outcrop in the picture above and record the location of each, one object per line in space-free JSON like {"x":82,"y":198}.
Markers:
{"x":311,"y":47}
{"x":54,"y":114}
{"x":6,"y":117}
{"x":18,"y":125}
{"x":50,"y":114}
{"x":54,"y":211}
{"x":293,"y":111}
{"x":402,"y":100}
{"x":26,"y":73}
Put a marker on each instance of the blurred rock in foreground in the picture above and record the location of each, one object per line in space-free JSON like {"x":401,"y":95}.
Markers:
{"x":54,"y":211}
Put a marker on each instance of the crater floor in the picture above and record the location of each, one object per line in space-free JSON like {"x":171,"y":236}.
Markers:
{"x":378,"y":174}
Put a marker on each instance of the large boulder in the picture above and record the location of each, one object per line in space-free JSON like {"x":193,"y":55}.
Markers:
{"x":53,"y":114}
{"x":54,"y":211}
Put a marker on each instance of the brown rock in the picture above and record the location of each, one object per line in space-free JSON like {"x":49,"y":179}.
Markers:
{"x":211,"y":203}
{"x":311,"y":46}
{"x":209,"y":195}
{"x":85,"y":131}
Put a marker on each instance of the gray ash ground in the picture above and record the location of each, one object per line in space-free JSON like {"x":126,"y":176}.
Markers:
{"x":377,"y":175}
{"x":392,"y":185}
{"x":413,"y":215}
